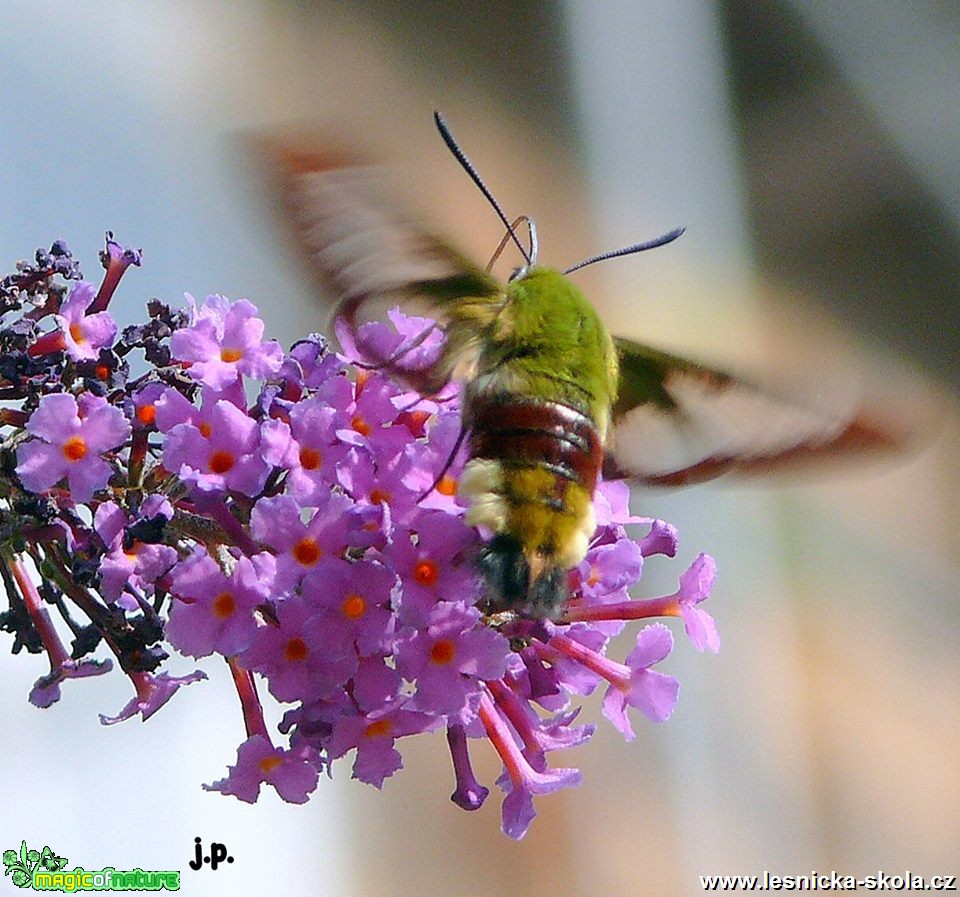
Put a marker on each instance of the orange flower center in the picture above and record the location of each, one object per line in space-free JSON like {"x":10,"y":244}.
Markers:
{"x":353,"y":606}
{"x":378,"y":729}
{"x":205,"y":429}
{"x":425,"y":573}
{"x":270,"y":763}
{"x":416,"y":420}
{"x":75,"y":448}
{"x":76,"y":331}
{"x":296,"y":650}
{"x":361,"y":426}
{"x":224,"y":605}
{"x":221,"y":461}
{"x":310,"y":459}
{"x":307,"y":552}
{"x":230,"y":355}
{"x":447,"y":485}
{"x":147,"y":414}
{"x":380,"y":497}
{"x":102,"y":372}
{"x":443,"y":652}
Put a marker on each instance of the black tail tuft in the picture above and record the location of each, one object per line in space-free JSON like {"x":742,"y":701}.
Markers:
{"x":504,"y":566}
{"x":548,"y":594}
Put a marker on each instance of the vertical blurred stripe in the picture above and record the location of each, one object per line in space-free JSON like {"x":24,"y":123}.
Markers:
{"x":656,"y":115}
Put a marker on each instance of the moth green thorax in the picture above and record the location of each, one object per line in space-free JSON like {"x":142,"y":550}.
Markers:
{"x":551,"y":340}
{"x":549,"y":396}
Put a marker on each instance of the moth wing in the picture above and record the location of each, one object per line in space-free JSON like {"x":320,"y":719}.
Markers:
{"x":676,"y":422}
{"x":368,"y":254}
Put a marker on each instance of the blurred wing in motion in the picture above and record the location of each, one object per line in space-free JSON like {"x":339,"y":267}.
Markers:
{"x":368,"y":255}
{"x":676,"y":422}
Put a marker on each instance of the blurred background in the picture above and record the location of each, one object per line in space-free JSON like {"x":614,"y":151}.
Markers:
{"x":812,"y":149}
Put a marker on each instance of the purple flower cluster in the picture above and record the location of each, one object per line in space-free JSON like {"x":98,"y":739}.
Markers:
{"x":313,"y":537}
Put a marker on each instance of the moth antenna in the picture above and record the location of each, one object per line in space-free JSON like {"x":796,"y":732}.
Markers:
{"x":467,"y":166}
{"x":629,"y":250}
{"x":534,"y":245}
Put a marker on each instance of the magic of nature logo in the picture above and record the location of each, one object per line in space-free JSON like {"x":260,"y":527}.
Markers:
{"x":43,"y":870}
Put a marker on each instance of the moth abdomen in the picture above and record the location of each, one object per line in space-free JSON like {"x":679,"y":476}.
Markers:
{"x":530,"y":479}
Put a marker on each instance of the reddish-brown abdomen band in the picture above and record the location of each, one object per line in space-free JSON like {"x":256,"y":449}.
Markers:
{"x":536,"y":433}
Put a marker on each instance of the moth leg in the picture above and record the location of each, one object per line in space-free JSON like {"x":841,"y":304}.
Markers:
{"x":400,"y":351}
{"x":446,"y":464}
{"x":427,"y":380}
{"x":440,"y":400}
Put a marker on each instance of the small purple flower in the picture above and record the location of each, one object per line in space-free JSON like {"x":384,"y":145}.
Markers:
{"x":695,"y":586}
{"x":354,"y":604}
{"x":520,"y":779}
{"x":70,"y":441}
{"x":437,"y":568}
{"x":307,"y":447}
{"x":654,"y":694}
{"x":222,"y":453}
{"x":143,"y":412}
{"x":368,"y":482}
{"x":469,"y":793}
{"x":139,"y":563}
{"x":153,"y":691}
{"x":116,"y":259}
{"x":427,"y":476}
{"x":84,"y":335}
{"x":632,"y":683}
{"x":414,"y":342}
{"x":172,"y":407}
{"x":225,"y":340}
{"x":612,"y":504}
{"x":448,"y":658}
{"x":662,"y":539}
{"x":374,"y":735}
{"x":213,"y":611}
{"x":309,"y":364}
{"x":303,"y":548}
{"x":376,"y":684}
{"x":297,"y":659}
{"x":291,"y":772}
{"x":46,"y":690}
{"x":572,"y":672}
{"x":610,"y":568}
{"x":369,"y":423}
{"x":539,"y":735}
{"x":411,"y":343}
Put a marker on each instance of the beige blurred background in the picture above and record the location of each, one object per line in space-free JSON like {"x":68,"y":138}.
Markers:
{"x":812,"y":149}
